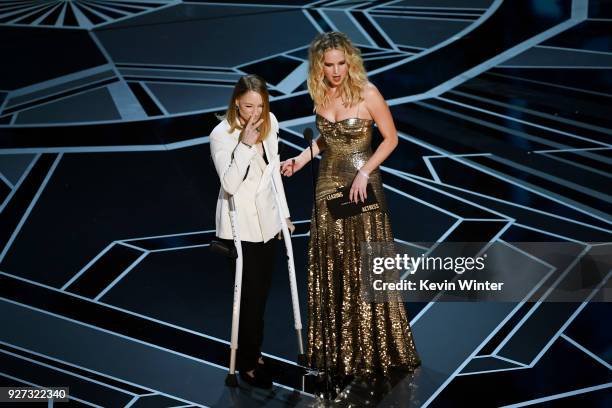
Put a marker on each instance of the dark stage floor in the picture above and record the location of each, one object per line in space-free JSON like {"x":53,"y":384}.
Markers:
{"x":107,"y":191}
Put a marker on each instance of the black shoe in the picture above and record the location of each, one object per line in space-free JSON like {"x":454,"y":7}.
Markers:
{"x":260,"y":379}
{"x":265,"y":365}
{"x":269,"y":367}
{"x":264,"y":371}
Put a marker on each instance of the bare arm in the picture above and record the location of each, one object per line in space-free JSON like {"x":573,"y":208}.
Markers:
{"x":378,"y":108}
{"x":317,"y":147}
{"x":291,"y":166}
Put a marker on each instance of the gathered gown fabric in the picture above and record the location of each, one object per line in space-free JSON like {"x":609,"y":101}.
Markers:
{"x":361,"y":338}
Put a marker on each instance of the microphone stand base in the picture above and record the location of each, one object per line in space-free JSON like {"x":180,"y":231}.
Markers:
{"x":326,"y":386}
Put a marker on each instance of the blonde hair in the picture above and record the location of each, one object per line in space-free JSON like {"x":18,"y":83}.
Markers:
{"x":245,"y":84}
{"x":352,"y":87}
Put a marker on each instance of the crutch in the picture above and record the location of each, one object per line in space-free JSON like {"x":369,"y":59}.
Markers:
{"x":231,"y":379}
{"x":295,"y":302}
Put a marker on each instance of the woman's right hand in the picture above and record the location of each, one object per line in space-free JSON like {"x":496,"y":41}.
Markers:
{"x":250,"y":134}
{"x":289,"y":167}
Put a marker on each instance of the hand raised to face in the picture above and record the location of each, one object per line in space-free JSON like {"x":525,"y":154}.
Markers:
{"x":250,"y":134}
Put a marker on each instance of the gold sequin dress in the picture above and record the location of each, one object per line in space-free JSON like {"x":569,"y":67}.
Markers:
{"x":362,"y":338}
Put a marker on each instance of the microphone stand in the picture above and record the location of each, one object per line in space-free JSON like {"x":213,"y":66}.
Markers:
{"x":323,"y":287}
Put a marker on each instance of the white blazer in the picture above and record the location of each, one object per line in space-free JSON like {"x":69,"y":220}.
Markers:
{"x":258,"y":218}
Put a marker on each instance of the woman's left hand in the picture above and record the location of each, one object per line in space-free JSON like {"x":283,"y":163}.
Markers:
{"x":290,"y":227}
{"x":358,"y":189}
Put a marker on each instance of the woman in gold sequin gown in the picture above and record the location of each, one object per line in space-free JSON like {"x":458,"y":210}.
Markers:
{"x":357,"y":337}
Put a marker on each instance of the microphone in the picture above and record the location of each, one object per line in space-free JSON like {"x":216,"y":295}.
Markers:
{"x":308,"y":135}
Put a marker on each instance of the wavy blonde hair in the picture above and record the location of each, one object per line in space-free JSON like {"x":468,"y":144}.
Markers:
{"x":351,"y":89}
{"x":245,"y":84}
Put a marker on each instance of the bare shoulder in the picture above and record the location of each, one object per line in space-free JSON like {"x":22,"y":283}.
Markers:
{"x":371,"y":95}
{"x":373,"y":99}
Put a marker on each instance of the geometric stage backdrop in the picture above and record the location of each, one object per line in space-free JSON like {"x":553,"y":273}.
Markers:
{"x":107,"y":190}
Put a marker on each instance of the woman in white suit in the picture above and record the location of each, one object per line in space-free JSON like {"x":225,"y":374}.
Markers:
{"x":244,"y":148}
